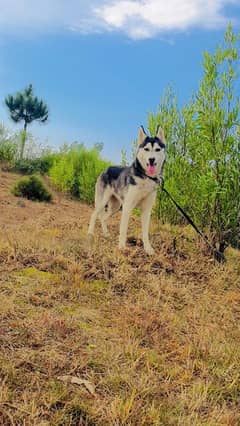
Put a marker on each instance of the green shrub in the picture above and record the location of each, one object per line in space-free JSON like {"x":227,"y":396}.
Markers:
{"x":76,"y":171}
{"x":32,"y":188}
{"x":8,"y":148}
{"x":90,"y":167}
{"x":63,"y":173}
{"x":203,"y":149}
{"x":7,"y":153}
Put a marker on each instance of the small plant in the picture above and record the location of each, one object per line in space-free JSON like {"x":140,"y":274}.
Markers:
{"x":8,"y":149}
{"x":32,"y":188}
{"x":7,"y":153}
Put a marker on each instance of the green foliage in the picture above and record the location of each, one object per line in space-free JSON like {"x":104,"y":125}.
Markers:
{"x":90,"y":166}
{"x":8,"y":149}
{"x":32,"y":188}
{"x":76,"y":170}
{"x":24,"y":106}
{"x":203,"y":148}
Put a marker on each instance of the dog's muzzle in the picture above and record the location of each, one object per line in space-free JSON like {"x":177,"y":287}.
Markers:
{"x":151,"y":166}
{"x":152,"y":162}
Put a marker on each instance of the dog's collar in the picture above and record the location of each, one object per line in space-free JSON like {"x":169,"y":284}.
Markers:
{"x":140,"y":172}
{"x":155,"y":179}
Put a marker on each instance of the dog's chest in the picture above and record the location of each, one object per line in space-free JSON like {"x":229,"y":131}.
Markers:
{"x":142,"y":188}
{"x":145,"y":186}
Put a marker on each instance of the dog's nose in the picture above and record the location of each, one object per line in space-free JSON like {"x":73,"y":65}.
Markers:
{"x":151,"y":161}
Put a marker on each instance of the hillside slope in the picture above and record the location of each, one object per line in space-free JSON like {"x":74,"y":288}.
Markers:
{"x":149,"y":341}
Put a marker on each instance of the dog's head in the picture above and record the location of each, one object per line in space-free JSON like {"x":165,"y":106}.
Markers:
{"x":151,"y":152}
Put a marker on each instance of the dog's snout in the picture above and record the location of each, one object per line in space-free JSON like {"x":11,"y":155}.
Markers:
{"x":152,"y":161}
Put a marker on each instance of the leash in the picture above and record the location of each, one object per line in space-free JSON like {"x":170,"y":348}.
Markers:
{"x":216,"y":254}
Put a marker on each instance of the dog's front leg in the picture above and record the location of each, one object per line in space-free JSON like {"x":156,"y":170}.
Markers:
{"x":129,"y":203}
{"x":146,"y":206}
{"x":124,"y":226}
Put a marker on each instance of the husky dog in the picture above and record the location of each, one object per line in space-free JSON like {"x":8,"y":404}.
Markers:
{"x":130,"y":187}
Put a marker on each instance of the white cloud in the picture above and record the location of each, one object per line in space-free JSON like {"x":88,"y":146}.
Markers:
{"x":145,"y":18}
{"x":138,"y":19}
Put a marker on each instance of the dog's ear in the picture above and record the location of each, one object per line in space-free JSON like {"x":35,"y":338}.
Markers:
{"x":160,"y":134}
{"x":141,"y":135}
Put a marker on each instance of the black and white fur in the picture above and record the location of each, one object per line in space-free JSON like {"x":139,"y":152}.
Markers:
{"x":130,"y":187}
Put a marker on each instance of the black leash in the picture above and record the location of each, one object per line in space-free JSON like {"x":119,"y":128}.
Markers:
{"x":217,"y":254}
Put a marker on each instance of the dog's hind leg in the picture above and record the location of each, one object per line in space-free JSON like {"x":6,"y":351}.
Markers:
{"x":99,"y":207}
{"x":112,"y":207}
{"x":103,"y":217}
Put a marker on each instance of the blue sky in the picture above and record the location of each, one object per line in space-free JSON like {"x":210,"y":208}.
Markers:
{"x":102,"y":65}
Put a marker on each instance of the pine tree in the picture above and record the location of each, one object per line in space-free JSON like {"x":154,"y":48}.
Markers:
{"x":24,"y":106}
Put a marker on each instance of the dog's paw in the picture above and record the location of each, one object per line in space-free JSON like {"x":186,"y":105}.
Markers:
{"x":90,"y":237}
{"x":149,"y":250}
{"x":106,"y":235}
{"x":88,"y":241}
{"x":124,"y":251}
{"x":122,"y":247}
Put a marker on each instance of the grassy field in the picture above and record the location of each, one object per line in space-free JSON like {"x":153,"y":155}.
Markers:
{"x":92,"y":336}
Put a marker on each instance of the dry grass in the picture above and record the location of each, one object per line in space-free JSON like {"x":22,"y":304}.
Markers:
{"x":158,"y":338}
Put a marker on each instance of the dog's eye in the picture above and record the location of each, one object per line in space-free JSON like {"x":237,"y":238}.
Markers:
{"x":158,"y":149}
{"x":146,"y":149}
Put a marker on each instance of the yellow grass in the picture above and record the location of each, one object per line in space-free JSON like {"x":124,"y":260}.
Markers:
{"x":158,"y":339}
